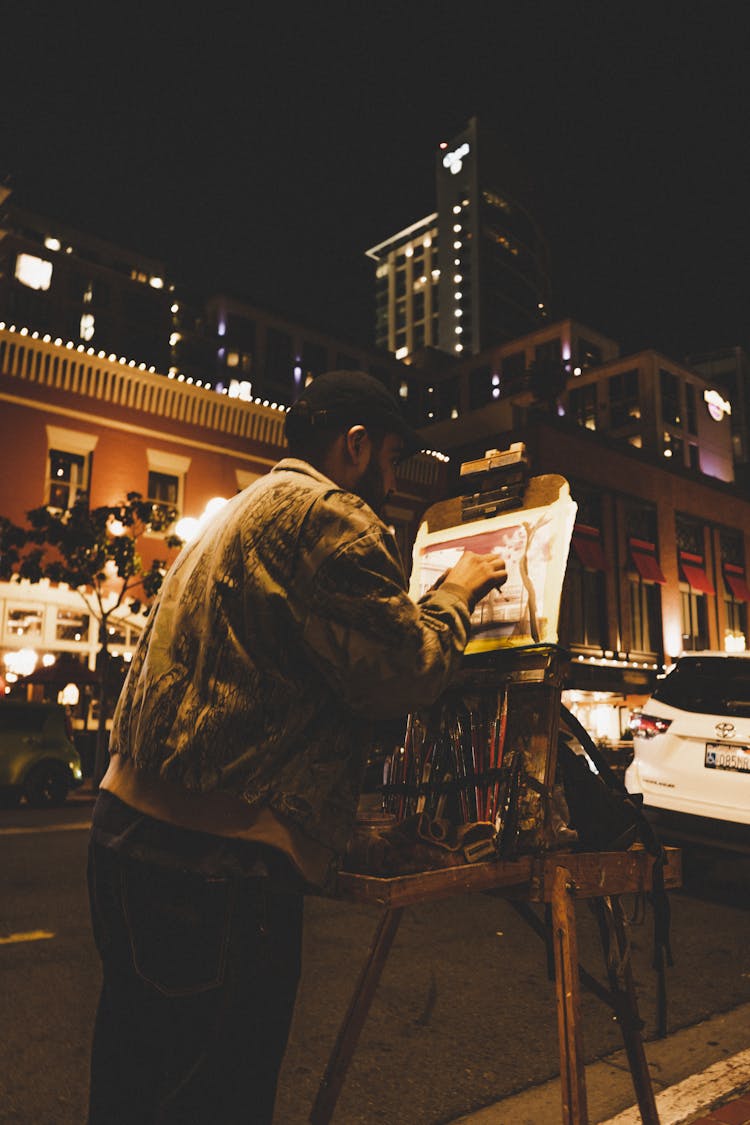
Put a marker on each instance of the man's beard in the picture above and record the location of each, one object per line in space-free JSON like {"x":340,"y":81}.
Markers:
{"x":371,"y":488}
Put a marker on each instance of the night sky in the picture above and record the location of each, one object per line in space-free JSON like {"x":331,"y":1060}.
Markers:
{"x":262,"y":150}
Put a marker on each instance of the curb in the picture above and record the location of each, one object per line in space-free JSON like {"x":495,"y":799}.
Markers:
{"x":693,"y":1071}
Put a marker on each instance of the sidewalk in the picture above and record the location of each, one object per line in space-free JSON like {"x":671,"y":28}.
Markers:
{"x":700,"y":1076}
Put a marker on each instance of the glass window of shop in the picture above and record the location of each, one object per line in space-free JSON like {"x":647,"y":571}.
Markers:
{"x":71,"y":625}
{"x":694,"y":621}
{"x":585,"y":605}
{"x":645,"y":616}
{"x":735,"y":589}
{"x":23,"y":624}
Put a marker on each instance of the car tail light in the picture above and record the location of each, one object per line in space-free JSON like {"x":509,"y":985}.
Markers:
{"x":648,"y":726}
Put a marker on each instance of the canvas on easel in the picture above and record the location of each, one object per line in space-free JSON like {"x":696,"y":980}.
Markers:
{"x":533,"y":539}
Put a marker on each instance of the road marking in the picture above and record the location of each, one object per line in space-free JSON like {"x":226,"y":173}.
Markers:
{"x":31,"y":935}
{"x":718,"y":1083}
{"x":45,"y":828}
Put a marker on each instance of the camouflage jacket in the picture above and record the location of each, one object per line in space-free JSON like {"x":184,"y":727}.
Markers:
{"x":277,"y":636}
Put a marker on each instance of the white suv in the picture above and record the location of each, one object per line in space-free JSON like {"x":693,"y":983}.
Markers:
{"x":691,"y":744}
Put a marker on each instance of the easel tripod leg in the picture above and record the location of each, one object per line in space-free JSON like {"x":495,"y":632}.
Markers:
{"x":572,"y":1072}
{"x":620,"y":973}
{"x":346,"y":1040}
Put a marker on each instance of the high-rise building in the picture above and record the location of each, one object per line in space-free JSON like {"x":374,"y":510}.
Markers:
{"x":71,"y":286}
{"x":475,"y":272}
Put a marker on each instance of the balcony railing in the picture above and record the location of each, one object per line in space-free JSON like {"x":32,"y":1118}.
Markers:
{"x":77,"y":370}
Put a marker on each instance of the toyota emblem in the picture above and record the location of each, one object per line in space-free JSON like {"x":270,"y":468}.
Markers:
{"x":724,"y":730}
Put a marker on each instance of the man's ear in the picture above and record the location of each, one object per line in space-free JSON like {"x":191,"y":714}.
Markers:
{"x":358,"y":444}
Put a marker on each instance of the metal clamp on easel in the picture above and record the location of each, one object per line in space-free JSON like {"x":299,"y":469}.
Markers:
{"x":498,"y":482}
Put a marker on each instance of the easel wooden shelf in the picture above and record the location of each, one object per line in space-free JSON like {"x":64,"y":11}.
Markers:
{"x":556,"y":879}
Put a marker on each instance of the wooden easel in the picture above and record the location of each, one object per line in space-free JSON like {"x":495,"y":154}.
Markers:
{"x":557,"y":880}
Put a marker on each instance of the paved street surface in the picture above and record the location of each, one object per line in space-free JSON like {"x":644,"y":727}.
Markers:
{"x":464,"y":1016}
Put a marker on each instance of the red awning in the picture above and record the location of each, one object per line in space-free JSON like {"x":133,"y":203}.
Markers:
{"x":694,"y":573}
{"x":645,"y":561}
{"x":737,"y":583}
{"x":587,"y":545}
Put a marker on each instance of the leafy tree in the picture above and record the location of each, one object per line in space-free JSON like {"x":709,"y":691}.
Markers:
{"x":94,"y":551}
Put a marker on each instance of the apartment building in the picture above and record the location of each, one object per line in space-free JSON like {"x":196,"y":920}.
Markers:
{"x":72,"y":420}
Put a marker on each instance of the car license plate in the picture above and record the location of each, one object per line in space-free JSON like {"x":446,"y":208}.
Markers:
{"x":721,"y":756}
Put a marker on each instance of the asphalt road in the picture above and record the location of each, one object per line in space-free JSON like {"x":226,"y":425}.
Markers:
{"x":464,"y":1014}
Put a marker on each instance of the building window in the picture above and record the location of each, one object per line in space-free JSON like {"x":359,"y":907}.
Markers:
{"x":645,"y":616}
{"x":24,"y":624}
{"x":164,"y":489}
{"x":514,"y":366}
{"x":278,"y":365}
{"x":585,"y":589}
{"x":624,"y":403}
{"x":166,"y":479}
{"x":68,"y":471}
{"x":582,"y":406}
{"x":694,"y":621}
{"x":670,"y":398}
{"x":589,"y":355}
{"x":67,"y":478}
{"x":71,"y":625}
{"x":35,"y":273}
{"x":690,"y":408}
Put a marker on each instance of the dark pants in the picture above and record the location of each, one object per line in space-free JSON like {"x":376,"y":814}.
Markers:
{"x":199,"y":981}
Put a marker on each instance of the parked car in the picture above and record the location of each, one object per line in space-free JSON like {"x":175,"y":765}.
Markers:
{"x":691,"y":746}
{"x":38,"y":759}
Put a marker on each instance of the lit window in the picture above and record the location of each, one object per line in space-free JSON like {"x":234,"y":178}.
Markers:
{"x":403,"y":390}
{"x":26,"y":622}
{"x":67,"y":476}
{"x":233,"y":359}
{"x":156,"y":282}
{"x":52,"y":243}
{"x":240,"y":388}
{"x":71,"y":625}
{"x":86,"y":330}
{"x":34,"y":272}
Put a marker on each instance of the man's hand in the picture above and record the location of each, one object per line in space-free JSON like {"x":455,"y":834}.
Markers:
{"x":477,"y":574}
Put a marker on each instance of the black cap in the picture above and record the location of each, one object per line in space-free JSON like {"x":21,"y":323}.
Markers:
{"x":351,"y":398}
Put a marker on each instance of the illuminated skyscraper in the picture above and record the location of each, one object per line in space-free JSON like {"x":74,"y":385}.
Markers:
{"x":472,"y":274}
